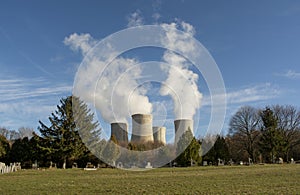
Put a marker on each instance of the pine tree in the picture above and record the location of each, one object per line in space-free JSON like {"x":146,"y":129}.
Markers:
{"x":218,"y":151}
{"x":71,"y":125}
{"x":271,"y":142}
{"x":4,"y":148}
{"x":188,"y":149}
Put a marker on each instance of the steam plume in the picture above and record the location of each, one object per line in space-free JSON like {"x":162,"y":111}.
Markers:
{"x":112,"y":86}
{"x":181,"y":83}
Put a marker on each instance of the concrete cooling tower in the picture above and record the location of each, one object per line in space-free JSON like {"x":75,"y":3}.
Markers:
{"x":142,"y":128}
{"x":181,"y":126}
{"x":159,"y":134}
{"x":119,"y":130}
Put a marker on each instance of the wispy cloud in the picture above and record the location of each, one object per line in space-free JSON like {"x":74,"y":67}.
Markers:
{"x":290,"y":74}
{"x":256,"y":93}
{"x":17,"y":89}
{"x":135,"y":19}
{"x":24,"y":101}
{"x":80,"y":42}
{"x":252,"y":94}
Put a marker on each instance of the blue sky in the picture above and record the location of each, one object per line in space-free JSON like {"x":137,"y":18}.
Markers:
{"x":256,"y":45}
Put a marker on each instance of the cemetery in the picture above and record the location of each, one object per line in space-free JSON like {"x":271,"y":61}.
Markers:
{"x":256,"y":179}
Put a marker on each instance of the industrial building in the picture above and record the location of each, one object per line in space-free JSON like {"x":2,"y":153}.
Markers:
{"x":142,"y":130}
{"x":120,"y":131}
{"x":159,"y":134}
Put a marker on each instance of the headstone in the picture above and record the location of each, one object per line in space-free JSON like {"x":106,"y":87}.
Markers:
{"x":148,"y":166}
{"x":89,"y":165}
{"x":12,"y":167}
{"x":280,"y":161}
{"x":120,"y":165}
{"x":204,"y":163}
{"x":2,"y":167}
{"x":6,"y":169}
{"x":292,"y":161}
{"x":74,"y":166}
{"x":64,"y":165}
{"x":18,"y":166}
{"x":220,"y":162}
{"x":34,"y":166}
{"x":250,"y":161}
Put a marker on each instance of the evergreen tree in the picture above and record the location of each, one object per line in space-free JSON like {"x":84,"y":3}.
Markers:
{"x":61,"y":140}
{"x":218,"y":151}
{"x":4,"y":148}
{"x":188,"y":149}
{"x":271,"y":142}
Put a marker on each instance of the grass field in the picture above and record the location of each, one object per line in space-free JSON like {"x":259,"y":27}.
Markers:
{"x":258,"y":179}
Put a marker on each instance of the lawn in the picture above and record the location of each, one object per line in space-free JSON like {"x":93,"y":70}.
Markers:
{"x":258,"y":179}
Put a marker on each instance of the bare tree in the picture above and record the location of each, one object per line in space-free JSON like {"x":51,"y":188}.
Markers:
{"x":236,"y":148}
{"x":4,"y":132}
{"x":245,"y":125}
{"x":9,"y":134}
{"x":288,"y":118}
{"x":25,"y":132}
{"x":14,"y":135}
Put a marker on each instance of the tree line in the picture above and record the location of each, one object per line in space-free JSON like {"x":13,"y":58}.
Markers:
{"x":265,"y":135}
{"x":73,"y":136}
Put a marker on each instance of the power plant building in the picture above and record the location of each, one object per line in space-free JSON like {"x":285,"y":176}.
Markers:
{"x":159,"y":134}
{"x":119,"y":130}
{"x":142,"y":128}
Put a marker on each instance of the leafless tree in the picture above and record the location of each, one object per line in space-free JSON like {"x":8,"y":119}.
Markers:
{"x":244,"y":125}
{"x":288,"y":118}
{"x":236,"y":148}
{"x":5,"y":132}
{"x":25,"y":132}
{"x":9,"y":134}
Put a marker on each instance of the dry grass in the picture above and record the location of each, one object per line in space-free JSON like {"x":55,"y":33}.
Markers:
{"x":259,"y":179}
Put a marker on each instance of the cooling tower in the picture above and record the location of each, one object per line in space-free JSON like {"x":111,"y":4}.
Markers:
{"x":142,"y":128}
{"x":181,"y":126}
{"x":159,"y":134}
{"x":119,"y":130}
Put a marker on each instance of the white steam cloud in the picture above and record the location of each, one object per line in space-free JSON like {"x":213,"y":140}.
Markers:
{"x":112,"y":86}
{"x":181,"y":83}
